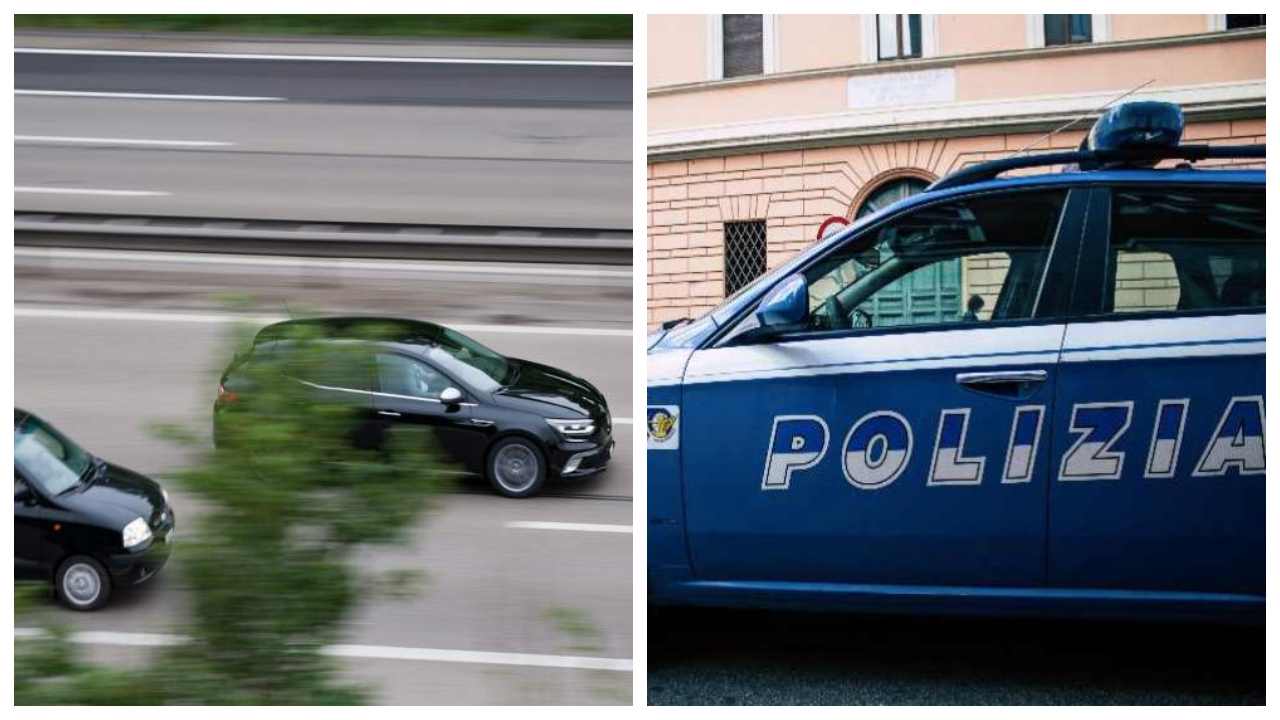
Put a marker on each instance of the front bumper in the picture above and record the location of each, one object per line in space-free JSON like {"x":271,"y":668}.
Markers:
{"x":582,"y":461}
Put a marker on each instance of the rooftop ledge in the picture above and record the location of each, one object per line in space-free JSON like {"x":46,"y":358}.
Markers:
{"x":1200,"y":103}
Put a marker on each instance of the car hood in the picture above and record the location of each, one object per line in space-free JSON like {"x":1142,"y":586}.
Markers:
{"x":548,"y":385}
{"x":667,"y":366}
{"x":116,"y":497}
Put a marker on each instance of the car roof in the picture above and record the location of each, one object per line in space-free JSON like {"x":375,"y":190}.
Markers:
{"x":391,"y":330}
{"x":1074,"y":178}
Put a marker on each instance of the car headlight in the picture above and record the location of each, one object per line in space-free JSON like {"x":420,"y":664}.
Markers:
{"x":135,"y":533}
{"x":573,"y":429}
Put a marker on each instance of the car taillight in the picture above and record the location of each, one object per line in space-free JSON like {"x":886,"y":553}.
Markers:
{"x":225,"y":395}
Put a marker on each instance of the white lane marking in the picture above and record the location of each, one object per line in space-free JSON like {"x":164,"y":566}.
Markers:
{"x":323,"y":58}
{"x":118,"y":141}
{"x":622,"y":421}
{"x":89,"y":191}
{"x":578,"y":527}
{"x":70,"y":313}
{"x":367,"y":652}
{"x":327,"y":263}
{"x":146,"y":96}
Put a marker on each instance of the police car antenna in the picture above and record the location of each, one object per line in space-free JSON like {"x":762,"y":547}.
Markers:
{"x":1077,"y":119}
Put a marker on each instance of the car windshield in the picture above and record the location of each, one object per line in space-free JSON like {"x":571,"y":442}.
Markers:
{"x":48,"y":458}
{"x":471,"y":353}
{"x":691,"y":334}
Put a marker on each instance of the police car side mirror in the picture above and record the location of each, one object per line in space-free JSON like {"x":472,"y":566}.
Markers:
{"x":786,"y":307}
{"x":451,"y":396}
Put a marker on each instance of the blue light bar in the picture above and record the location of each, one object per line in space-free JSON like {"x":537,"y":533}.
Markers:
{"x":1142,"y":124}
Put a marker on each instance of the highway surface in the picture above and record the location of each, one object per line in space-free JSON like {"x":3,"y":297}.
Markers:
{"x":475,"y":138}
{"x":107,"y":343}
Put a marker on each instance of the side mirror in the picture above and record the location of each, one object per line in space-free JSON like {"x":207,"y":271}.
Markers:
{"x":786,"y":307}
{"x":21,"y":493}
{"x":451,"y":396}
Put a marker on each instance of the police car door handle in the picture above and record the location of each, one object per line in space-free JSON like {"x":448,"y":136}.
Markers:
{"x":1003,"y":377}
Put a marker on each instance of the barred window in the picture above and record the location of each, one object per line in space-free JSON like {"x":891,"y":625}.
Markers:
{"x":745,"y":249}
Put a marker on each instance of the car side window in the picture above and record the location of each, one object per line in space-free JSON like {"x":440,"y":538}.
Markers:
{"x":341,"y":366}
{"x":1186,"y":250}
{"x":400,"y":375}
{"x":977,"y":260}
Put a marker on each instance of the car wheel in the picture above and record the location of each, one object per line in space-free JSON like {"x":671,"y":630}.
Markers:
{"x":516,"y":468}
{"x":82,"y":583}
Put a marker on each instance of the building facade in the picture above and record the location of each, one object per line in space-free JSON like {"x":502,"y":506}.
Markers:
{"x":765,"y":130}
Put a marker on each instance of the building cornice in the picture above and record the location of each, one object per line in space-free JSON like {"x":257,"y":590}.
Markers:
{"x":1200,"y":103}
{"x":967,"y":59}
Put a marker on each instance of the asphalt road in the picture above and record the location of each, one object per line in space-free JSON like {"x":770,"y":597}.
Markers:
{"x":496,"y":144}
{"x":311,"y":80}
{"x":721,"y":657}
{"x":103,"y":362}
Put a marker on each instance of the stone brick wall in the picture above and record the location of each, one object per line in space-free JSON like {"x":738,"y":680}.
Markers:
{"x":793,"y":191}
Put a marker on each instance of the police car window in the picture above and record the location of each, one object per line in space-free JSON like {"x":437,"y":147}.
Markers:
{"x":399,"y":375}
{"x":1186,"y":250}
{"x":974,"y":261}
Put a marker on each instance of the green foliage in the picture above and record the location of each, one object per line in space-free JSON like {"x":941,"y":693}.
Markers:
{"x":289,"y":496}
{"x":577,"y":625}
{"x":552,"y":27}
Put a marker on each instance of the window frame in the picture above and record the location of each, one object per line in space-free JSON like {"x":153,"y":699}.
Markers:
{"x":1087,"y":295}
{"x":715,"y":47}
{"x":902,"y":27}
{"x":1053,"y":299}
{"x":1100,"y":26}
{"x":1226,"y":23}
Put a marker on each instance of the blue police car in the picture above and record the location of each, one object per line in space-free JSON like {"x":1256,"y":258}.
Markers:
{"x":1084,"y":438}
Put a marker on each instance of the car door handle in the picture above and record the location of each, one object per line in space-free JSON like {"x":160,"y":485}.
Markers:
{"x":389,"y":413}
{"x":1003,"y":377}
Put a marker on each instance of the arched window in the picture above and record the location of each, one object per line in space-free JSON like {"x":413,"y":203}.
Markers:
{"x":934,"y":291}
{"x":890,"y":193}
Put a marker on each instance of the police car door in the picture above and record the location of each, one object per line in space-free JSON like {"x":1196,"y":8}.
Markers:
{"x":1158,"y":428}
{"x":886,"y":441}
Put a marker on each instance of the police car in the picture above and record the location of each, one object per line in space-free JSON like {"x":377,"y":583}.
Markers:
{"x":1078,"y":432}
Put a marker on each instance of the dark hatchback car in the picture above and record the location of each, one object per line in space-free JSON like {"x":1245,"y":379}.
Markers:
{"x":86,"y":524}
{"x":515,"y":422}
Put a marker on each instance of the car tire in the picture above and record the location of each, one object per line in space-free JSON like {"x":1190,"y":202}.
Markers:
{"x":516,"y":468}
{"x":82,"y":583}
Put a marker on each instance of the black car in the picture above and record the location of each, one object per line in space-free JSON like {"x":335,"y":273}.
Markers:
{"x":513,"y":421}
{"x":80,"y":521}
